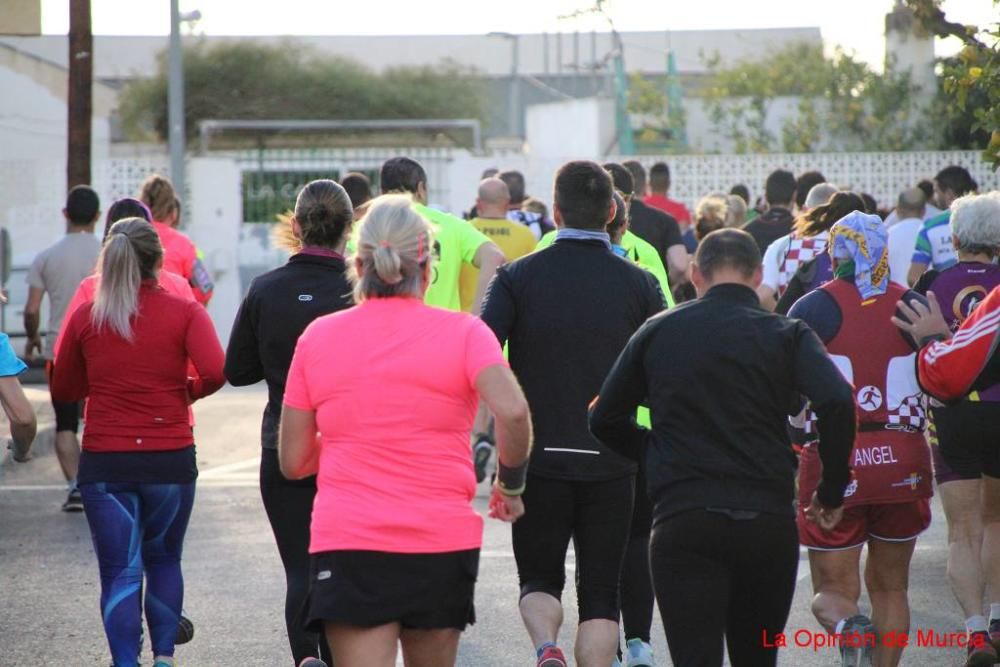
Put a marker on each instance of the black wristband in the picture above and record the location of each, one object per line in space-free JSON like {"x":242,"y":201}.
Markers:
{"x":511,"y":481}
{"x":932,"y":338}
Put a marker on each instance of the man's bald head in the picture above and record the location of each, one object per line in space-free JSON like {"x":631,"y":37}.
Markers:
{"x":911,"y":204}
{"x":493,"y":198}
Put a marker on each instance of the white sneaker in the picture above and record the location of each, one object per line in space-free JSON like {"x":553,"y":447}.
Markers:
{"x":638,"y":654}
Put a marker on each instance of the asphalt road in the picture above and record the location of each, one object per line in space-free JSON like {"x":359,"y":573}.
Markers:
{"x":49,"y":583}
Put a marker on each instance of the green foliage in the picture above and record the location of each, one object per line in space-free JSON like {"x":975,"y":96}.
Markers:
{"x":842,"y":103}
{"x":970,"y":100}
{"x":249,"y":80}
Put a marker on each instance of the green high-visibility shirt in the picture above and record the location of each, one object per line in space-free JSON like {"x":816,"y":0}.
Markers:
{"x":455,"y":243}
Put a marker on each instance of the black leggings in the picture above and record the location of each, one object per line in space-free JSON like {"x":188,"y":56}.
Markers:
{"x":637,"y":585}
{"x":596,"y":516}
{"x":718,"y":577}
{"x":289,"y":508}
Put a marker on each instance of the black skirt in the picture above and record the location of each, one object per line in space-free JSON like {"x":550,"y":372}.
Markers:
{"x":371,"y":588}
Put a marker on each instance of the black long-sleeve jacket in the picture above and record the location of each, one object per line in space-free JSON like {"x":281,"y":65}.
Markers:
{"x":566,"y":312}
{"x":721,"y":376}
{"x":278,"y":307}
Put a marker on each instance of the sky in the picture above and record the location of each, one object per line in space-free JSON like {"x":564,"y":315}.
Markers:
{"x":855,"y":25}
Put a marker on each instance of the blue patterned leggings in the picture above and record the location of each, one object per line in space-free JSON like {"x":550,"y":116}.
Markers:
{"x":139,"y":528}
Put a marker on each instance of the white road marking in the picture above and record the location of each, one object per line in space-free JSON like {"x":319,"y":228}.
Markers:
{"x":229,"y":468}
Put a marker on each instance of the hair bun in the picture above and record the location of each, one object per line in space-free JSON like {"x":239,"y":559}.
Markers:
{"x":388,"y":264}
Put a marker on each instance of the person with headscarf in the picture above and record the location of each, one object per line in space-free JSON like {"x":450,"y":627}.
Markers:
{"x":887,"y":504}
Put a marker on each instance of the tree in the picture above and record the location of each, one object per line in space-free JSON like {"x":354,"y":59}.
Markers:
{"x":971,"y":81}
{"x":840,"y":103}
{"x":250,"y":80}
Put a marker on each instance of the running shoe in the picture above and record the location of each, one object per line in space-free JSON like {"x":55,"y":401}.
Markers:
{"x":552,"y":657}
{"x":74,"y":502}
{"x":995,"y":634}
{"x":185,"y":630}
{"x":857,"y":642}
{"x":638,"y":654}
{"x":981,"y":651}
{"x":312,"y":662}
{"x":617,"y":662}
{"x":481,"y":453}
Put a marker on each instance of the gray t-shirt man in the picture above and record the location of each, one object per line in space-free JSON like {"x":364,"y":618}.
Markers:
{"x":58,"y":271}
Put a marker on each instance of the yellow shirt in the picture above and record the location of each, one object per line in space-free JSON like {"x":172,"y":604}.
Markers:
{"x":513,"y":238}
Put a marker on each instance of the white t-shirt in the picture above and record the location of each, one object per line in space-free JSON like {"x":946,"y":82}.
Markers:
{"x":58,"y":271}
{"x":784,"y":256}
{"x":773,"y":257}
{"x":902,"y":241}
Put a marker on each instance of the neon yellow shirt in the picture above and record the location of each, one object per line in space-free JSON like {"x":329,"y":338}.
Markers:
{"x":455,"y":243}
{"x":640,"y":252}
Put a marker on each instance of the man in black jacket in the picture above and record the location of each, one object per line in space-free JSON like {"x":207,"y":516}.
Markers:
{"x":566,"y":312}
{"x":721,"y":376}
{"x":656,"y":227}
{"x":779,"y":191}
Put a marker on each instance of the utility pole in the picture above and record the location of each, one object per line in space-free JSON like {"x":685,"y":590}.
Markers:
{"x":79,"y":98}
{"x":175,"y":101}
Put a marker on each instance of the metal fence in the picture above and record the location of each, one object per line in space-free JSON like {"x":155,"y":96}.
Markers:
{"x":882,"y":175}
{"x":271,"y":178}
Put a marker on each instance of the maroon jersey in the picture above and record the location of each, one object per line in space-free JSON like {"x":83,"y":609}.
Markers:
{"x":891,"y":460}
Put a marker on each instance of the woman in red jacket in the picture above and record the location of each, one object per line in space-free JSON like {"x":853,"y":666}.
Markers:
{"x":127,"y":353}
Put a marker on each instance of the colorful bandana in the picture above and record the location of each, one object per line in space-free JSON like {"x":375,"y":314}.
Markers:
{"x":862,"y":239}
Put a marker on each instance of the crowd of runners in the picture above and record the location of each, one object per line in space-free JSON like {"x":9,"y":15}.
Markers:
{"x":622,"y":371}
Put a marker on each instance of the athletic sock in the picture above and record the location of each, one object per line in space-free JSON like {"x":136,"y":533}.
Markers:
{"x":840,"y":626}
{"x":71,"y":485}
{"x":541,"y":649}
{"x":975,"y":624}
{"x":994,"y":611}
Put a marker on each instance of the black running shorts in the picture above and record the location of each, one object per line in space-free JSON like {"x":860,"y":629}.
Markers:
{"x":967,"y":438}
{"x":371,"y":588}
{"x":67,"y":416}
{"x":596,"y":516}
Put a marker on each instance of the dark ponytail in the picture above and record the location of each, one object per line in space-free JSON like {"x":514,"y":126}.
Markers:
{"x":324,"y":213}
{"x":825,"y":216}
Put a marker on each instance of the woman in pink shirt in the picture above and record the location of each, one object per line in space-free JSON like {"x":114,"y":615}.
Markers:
{"x":392,"y":386}
{"x":180,"y":255}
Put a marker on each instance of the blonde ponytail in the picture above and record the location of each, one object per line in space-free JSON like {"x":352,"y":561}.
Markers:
{"x":130,"y":254}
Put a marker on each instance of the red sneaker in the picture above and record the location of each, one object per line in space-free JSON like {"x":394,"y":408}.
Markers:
{"x":552,"y":657}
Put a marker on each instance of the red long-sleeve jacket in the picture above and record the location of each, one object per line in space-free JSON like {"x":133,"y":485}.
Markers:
{"x":138,"y":391}
{"x":949,"y":370}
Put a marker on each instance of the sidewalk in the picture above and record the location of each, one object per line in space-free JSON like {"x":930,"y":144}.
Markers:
{"x":38,"y":396}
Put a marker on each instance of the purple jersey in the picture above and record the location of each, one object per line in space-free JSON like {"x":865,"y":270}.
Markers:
{"x":959,"y":289}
